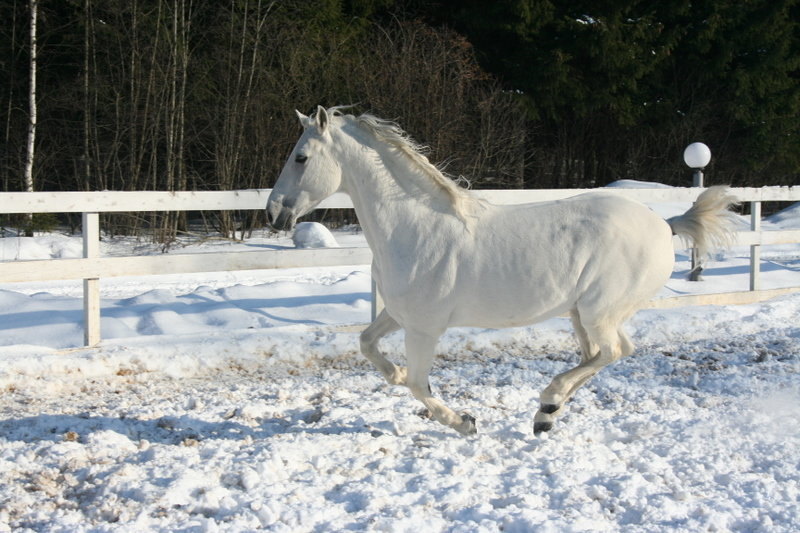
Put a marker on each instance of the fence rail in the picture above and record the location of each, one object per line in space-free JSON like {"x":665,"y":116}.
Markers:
{"x":91,"y":267}
{"x":119,"y":201}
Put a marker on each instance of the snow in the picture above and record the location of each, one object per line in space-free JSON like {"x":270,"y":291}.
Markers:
{"x":239,"y":401}
{"x":313,"y":235}
{"x":788,"y":218}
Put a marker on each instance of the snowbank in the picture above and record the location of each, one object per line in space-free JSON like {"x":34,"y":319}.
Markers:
{"x":788,"y":218}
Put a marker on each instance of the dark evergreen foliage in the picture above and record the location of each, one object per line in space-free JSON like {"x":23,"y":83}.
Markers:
{"x":616,"y":89}
{"x":174,"y":94}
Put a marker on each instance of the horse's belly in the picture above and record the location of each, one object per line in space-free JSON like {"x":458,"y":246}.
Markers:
{"x":503,"y":319}
{"x":496,"y":307}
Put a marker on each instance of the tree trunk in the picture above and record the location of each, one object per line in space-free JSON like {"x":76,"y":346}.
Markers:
{"x":34,"y":7}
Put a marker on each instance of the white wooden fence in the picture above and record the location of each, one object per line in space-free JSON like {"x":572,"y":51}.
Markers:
{"x":91,"y":267}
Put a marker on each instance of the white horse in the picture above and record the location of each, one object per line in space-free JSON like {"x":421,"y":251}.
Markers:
{"x":443,"y":258}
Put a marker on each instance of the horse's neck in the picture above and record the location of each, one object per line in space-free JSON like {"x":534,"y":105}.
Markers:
{"x":391,"y":196}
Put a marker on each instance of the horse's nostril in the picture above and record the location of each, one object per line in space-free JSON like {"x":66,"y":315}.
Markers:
{"x":280,"y":218}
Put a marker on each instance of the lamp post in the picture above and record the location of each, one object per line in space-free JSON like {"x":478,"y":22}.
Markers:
{"x":696,"y":156}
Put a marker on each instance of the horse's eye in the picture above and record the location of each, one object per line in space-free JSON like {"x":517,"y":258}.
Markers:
{"x":300,"y":158}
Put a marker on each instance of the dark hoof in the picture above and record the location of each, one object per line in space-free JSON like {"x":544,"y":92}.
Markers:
{"x":468,"y":425}
{"x":549,"y":408}
{"x":541,"y":427}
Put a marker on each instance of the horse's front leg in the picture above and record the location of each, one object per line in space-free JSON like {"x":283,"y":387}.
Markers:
{"x":420,"y":350}
{"x":382,"y":326}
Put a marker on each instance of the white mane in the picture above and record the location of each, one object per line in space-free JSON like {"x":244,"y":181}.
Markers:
{"x":393,"y":135}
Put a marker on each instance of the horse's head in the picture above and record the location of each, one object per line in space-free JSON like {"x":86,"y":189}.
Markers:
{"x":310,"y":175}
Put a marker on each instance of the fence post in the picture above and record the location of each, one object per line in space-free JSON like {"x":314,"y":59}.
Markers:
{"x":697,"y":181}
{"x":755,"y":249}
{"x":91,"y":286}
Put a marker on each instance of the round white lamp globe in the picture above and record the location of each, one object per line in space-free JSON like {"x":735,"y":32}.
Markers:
{"x":697,"y":155}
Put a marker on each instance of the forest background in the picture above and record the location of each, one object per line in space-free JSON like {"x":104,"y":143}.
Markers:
{"x":193,"y":95}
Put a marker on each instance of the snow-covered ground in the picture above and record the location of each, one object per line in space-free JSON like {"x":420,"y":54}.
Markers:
{"x":238,"y":401}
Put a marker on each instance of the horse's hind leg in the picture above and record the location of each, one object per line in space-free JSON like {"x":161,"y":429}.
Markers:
{"x":382,"y":326}
{"x":613,"y":344}
{"x":588,"y":349}
{"x":420,"y":350}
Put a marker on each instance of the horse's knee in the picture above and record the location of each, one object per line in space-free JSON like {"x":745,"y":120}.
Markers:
{"x":382,"y":326}
{"x":367,"y":341}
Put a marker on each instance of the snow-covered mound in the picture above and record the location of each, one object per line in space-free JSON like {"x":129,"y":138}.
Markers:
{"x":664,"y":209}
{"x":637,"y":184}
{"x":788,"y":218}
{"x":313,"y":235}
{"x":49,"y":246}
{"x":341,"y":295}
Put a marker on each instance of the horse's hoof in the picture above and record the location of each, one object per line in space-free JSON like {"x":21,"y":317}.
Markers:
{"x":467,"y":426}
{"x":549,"y":408}
{"x":541,"y":427}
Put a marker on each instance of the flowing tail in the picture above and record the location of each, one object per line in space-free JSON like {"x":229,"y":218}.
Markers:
{"x":709,"y":223}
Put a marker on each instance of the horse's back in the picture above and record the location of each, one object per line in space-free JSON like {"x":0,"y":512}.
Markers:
{"x":592,"y":223}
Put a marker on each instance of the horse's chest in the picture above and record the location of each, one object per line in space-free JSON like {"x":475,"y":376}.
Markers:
{"x":415,"y":276}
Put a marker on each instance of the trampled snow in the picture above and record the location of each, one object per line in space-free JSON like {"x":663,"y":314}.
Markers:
{"x":239,"y":402}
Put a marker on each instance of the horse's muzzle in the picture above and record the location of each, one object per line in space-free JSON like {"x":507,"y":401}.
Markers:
{"x":280,"y":215}
{"x":282,"y":221}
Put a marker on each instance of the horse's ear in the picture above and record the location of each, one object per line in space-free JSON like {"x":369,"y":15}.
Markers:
{"x":322,"y":119}
{"x":304,"y":120}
